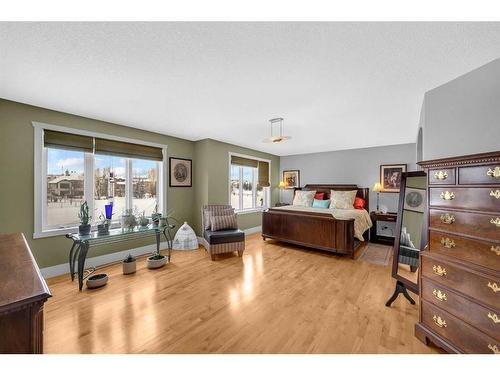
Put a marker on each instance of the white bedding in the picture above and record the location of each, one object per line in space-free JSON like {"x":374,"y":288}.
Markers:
{"x":362,"y":220}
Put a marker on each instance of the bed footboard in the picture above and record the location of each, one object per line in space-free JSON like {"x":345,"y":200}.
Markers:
{"x":315,"y":230}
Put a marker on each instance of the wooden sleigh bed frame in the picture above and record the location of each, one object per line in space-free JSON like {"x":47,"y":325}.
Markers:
{"x":316,"y":230}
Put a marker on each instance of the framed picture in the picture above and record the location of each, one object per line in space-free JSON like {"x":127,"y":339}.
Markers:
{"x":181,"y":172}
{"x":414,"y":199}
{"x":390,"y":177}
{"x":291,"y":179}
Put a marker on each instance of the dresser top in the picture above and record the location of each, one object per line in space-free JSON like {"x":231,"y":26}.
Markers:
{"x":20,"y":278}
{"x":484,"y":158}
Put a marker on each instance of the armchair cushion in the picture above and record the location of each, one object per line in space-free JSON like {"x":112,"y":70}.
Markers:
{"x":223,"y":222}
{"x":215,"y":210}
{"x":224,"y":236}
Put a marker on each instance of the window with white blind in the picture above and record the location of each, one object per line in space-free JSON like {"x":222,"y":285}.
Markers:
{"x":72,"y":166}
{"x":248,"y":183}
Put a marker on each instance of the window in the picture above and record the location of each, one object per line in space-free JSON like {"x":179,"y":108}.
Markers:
{"x":248,"y":177}
{"x":144,"y":185}
{"x":71,"y":168}
{"x":109,"y":184}
{"x":65,"y":176}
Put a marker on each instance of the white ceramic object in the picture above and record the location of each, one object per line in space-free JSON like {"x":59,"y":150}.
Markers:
{"x":129,"y":267}
{"x":97,"y":280}
{"x":185,"y":238}
{"x":156,"y":263}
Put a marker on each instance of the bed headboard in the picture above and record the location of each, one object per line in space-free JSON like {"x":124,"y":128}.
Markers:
{"x":361,"y":192}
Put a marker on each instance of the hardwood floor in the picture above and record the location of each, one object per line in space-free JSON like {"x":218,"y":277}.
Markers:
{"x":276,"y":299}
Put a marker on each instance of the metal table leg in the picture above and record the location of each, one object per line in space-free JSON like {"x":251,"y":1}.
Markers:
{"x":71,"y":263}
{"x":158,"y":237}
{"x":169,"y":242}
{"x":84,"y":248}
{"x":75,"y":257}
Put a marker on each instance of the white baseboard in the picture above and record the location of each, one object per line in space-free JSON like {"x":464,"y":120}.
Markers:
{"x":253,"y":230}
{"x":61,"y":269}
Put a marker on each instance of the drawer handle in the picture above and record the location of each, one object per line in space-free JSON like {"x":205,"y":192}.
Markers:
{"x":447,"y":219}
{"x":441,"y":175}
{"x":447,"y":195}
{"x":494,"y":349}
{"x":495,"y":173}
{"x":440,"y":322}
{"x":493,"y":286}
{"x":494,"y":317}
{"x":495,"y":249}
{"x":495,"y":221}
{"x":446,"y":242}
{"x":495,"y":194}
{"x":440,"y":271}
{"x":440,"y":295}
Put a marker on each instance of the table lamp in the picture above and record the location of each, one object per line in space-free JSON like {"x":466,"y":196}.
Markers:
{"x":377,"y":188}
{"x":281,"y":186}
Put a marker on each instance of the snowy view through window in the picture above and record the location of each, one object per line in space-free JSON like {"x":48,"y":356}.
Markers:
{"x":66,"y":181}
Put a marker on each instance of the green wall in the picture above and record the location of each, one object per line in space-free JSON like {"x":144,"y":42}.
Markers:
{"x":213,"y":169}
{"x":17,"y":175}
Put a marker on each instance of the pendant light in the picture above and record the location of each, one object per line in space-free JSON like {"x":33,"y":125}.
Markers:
{"x":276,"y":131}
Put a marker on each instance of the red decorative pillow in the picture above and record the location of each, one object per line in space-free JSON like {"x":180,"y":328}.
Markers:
{"x":359,"y":203}
{"x":319,"y":196}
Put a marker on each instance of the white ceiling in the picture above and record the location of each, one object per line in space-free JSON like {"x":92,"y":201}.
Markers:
{"x":338,"y":85}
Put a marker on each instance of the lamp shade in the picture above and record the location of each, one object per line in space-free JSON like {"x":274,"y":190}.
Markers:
{"x":282,"y":185}
{"x":377,"y":187}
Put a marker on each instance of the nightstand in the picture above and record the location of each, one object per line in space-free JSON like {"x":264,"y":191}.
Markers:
{"x":384,"y":227}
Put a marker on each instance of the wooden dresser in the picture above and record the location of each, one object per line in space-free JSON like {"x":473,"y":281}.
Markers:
{"x":459,"y":275}
{"x":23,"y":292}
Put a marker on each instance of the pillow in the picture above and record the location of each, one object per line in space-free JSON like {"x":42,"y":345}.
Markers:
{"x":319,"y":196}
{"x":321,"y":203}
{"x":304,"y":198}
{"x":215,"y":211}
{"x":223,"y":222}
{"x":342,"y":199}
{"x":359,"y":203}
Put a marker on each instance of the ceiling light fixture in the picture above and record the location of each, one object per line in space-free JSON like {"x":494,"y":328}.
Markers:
{"x":276,"y":131}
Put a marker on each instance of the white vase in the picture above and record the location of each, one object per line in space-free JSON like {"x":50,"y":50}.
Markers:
{"x":185,"y":238}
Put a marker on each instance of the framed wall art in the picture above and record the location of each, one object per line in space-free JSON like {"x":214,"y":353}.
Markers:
{"x":181,"y":172}
{"x":390,"y":177}
{"x":291,"y":178}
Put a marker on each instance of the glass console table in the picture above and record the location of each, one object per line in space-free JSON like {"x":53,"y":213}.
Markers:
{"x":82,"y":243}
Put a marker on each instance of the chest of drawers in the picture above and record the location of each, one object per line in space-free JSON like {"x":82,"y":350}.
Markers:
{"x":459,"y":274}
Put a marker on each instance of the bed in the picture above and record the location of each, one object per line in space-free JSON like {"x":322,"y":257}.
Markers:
{"x":318,"y":228}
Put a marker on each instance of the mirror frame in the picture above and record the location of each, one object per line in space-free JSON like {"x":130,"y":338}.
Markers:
{"x":399,"y":222}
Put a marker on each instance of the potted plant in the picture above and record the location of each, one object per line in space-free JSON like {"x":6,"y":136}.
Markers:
{"x":103,"y":226}
{"x":129,"y":265}
{"x":156,"y":216}
{"x":156,"y":261}
{"x":128,"y":220}
{"x":84,"y":228}
{"x":143,"y":220}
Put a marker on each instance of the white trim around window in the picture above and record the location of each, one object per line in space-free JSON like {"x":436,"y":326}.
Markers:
{"x":267,"y":191}
{"x":40,"y":175}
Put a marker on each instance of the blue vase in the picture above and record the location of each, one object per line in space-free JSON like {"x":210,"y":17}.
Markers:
{"x":109,"y":210}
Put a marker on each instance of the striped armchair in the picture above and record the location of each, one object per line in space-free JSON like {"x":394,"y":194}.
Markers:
{"x":222,"y":241}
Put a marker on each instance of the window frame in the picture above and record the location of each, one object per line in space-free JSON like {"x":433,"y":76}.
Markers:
{"x":40,"y":176}
{"x":267,"y":194}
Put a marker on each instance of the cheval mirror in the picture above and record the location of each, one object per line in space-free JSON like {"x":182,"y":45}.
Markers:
{"x":411,"y":235}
